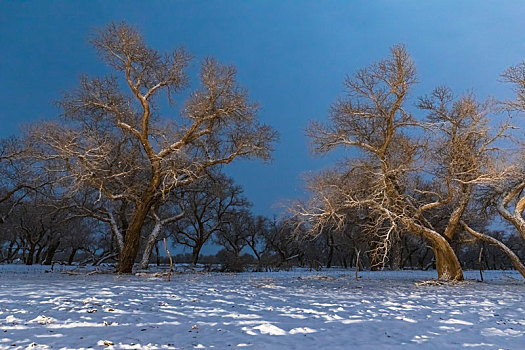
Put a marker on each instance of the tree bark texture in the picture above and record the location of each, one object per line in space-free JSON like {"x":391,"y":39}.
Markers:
{"x":132,"y":236}
{"x":447,"y":263}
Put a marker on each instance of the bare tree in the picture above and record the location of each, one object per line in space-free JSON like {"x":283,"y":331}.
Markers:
{"x":205,"y":203}
{"x":86,"y":203}
{"x":281,"y":239}
{"x":453,"y":147}
{"x":506,"y":195}
{"x":83,"y":236}
{"x":38,"y":229}
{"x":232,"y":236}
{"x":17,"y":176}
{"x":255,"y":238}
{"x":117,"y":143}
{"x":468,"y":160}
{"x":510,"y":198}
{"x":514,"y":259}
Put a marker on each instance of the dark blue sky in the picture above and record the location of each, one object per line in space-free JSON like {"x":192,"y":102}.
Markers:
{"x":291,"y":55}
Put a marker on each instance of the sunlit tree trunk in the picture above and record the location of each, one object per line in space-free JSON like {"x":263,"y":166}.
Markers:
{"x":132,"y":234}
{"x":447,"y":263}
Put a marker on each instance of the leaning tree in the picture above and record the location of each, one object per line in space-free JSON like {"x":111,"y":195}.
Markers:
{"x":114,"y":139}
{"x":509,"y":193}
{"x":450,"y":152}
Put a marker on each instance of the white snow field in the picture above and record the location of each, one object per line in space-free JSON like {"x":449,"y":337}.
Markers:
{"x":282,"y":310}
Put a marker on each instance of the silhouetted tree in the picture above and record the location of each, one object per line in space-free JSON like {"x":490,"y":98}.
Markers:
{"x":206,"y":204}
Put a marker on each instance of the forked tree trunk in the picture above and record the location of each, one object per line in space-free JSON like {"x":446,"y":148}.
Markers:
{"x":153,"y":238}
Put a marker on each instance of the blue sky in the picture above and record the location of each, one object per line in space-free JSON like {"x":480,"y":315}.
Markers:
{"x":291,"y":55}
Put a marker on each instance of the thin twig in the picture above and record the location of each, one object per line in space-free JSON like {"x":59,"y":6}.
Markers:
{"x":168,"y":277}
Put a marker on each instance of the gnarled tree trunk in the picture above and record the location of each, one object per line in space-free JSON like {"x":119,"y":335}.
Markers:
{"x":447,"y":263}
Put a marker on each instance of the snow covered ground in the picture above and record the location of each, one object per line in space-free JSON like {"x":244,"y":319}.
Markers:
{"x":284,"y":310}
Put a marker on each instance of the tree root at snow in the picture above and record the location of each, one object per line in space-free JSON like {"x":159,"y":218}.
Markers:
{"x":435,"y":282}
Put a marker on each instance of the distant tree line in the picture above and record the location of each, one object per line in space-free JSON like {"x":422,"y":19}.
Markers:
{"x":113,"y":177}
